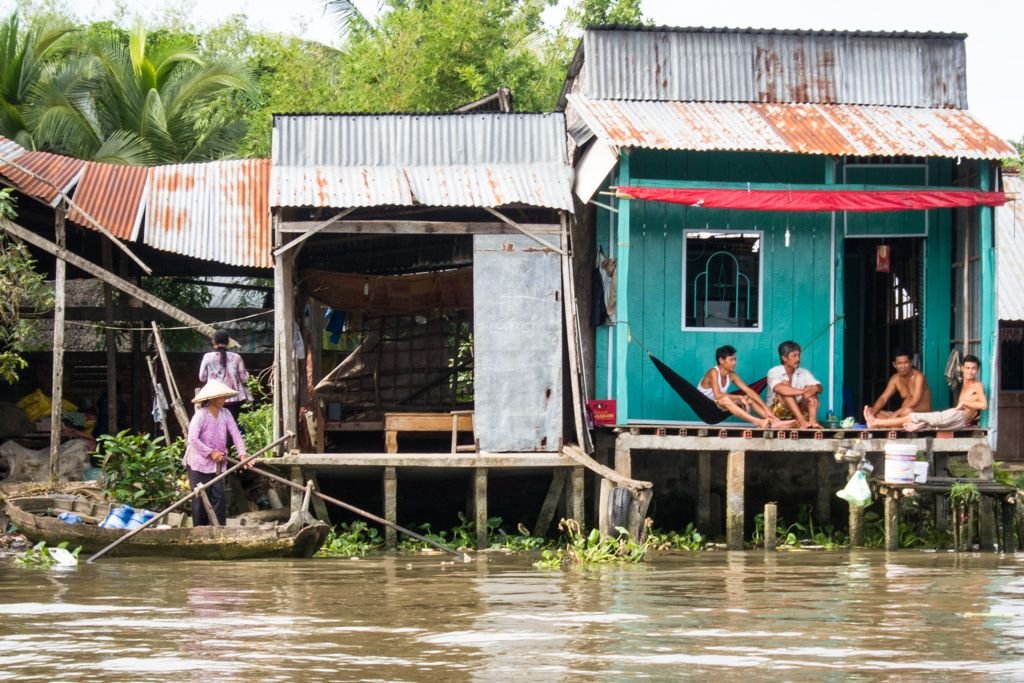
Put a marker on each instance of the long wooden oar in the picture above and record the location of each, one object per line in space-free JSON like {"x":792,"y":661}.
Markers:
{"x":368,"y":515}
{"x":242,"y":463}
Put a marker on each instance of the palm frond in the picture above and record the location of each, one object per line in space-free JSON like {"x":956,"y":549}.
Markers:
{"x":125,"y":147}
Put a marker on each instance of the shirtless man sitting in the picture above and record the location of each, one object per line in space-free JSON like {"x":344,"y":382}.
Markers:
{"x":792,"y":390}
{"x":972,"y":402}
{"x":909,"y":383}
{"x":715,"y":385}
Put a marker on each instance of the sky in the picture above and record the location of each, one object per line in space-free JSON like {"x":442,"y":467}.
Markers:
{"x":995,"y":60}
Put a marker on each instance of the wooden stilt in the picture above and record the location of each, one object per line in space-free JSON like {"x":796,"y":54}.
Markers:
{"x":319,"y":506}
{"x":892,"y":526}
{"x":480,"y":506}
{"x":57,"y":389}
{"x":823,"y":510}
{"x":390,"y":506}
{"x":986,"y":524}
{"x":576,"y":489}
{"x":623,"y":459}
{"x":771,"y":521}
{"x":109,"y":343}
{"x":550,"y":504}
{"x":704,"y":492}
{"x":735,"y":484}
{"x":1007,"y":545}
{"x":604,"y":525}
{"x":856,"y":516}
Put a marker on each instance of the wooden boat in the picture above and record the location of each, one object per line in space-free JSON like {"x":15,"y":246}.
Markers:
{"x":245,"y":537}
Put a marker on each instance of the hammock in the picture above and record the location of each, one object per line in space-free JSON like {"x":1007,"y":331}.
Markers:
{"x":705,"y":408}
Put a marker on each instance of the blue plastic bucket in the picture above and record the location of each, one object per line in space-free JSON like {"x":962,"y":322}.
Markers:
{"x":118,"y":518}
{"x":139,"y":518}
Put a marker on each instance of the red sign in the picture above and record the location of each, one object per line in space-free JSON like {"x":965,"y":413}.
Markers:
{"x":602,"y":411}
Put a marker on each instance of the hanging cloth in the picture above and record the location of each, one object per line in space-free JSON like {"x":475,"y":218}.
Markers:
{"x":705,"y":408}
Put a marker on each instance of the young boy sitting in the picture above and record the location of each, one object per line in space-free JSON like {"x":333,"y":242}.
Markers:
{"x":715,"y":385}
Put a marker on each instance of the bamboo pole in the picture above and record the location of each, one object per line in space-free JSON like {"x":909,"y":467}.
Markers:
{"x":179,"y":408}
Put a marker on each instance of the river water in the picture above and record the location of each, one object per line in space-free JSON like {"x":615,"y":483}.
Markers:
{"x":787,"y":616}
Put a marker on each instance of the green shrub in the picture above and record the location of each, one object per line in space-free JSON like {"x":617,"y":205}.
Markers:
{"x":140,"y":470}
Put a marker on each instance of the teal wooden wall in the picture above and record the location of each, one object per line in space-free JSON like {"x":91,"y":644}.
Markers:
{"x":796,"y":281}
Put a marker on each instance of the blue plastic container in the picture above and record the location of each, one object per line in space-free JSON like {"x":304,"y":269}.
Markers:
{"x":69,"y":517}
{"x":139,"y":518}
{"x":118,"y":518}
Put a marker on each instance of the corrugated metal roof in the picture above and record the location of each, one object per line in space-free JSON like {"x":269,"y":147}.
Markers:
{"x":1010,"y":251}
{"x":489,"y":159}
{"x":834,"y":130}
{"x":215,"y":211}
{"x":51,"y":175}
{"x":112,"y":195}
{"x":752,"y":65}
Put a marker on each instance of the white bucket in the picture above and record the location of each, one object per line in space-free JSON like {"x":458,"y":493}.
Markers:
{"x":899,"y":462}
{"x":921,"y":472}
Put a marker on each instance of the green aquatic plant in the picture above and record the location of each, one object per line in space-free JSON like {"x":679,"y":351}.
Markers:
{"x":354,"y":539}
{"x":962,"y":494}
{"x":587,"y":549}
{"x":523,"y":541}
{"x":41,"y":556}
{"x":688,"y":539}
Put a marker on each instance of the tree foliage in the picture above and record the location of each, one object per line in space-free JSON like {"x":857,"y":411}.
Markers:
{"x":24,"y":288}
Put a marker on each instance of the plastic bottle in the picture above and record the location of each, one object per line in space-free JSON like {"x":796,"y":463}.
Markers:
{"x":69,"y":518}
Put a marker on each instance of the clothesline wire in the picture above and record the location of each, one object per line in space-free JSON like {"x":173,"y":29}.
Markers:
{"x":116,"y":328}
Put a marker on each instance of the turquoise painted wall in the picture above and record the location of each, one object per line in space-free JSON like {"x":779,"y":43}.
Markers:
{"x":796,"y":280}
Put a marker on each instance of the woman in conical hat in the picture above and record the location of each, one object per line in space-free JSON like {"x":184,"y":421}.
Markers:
{"x":207,"y":447}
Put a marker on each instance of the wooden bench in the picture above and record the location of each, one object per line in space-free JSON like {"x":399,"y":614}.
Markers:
{"x":438,"y":423}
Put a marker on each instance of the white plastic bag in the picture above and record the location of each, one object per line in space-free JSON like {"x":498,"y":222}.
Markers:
{"x":856,"y":492}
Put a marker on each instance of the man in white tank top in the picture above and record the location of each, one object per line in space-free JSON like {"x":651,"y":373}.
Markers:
{"x":715,"y":385}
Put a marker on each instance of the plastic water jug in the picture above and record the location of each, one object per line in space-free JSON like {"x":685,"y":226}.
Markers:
{"x":118,"y":517}
{"x":139,"y":518}
{"x":70,"y":518}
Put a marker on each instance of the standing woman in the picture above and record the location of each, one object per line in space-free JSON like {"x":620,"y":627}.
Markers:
{"x":227,"y":367}
{"x":207,"y":447}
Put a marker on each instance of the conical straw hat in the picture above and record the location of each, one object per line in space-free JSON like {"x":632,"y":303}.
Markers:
{"x":214,"y":389}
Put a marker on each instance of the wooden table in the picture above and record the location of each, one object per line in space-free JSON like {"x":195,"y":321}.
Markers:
{"x":437,"y":423}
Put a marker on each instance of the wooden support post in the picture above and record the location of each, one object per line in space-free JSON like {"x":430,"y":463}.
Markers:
{"x":1006,"y":542}
{"x":572,"y":341}
{"x":623,"y":458}
{"x":109,"y":343}
{"x":297,"y":479}
{"x":823,"y":510}
{"x":480,"y":506}
{"x":942,"y":508}
{"x":735,"y":484}
{"x":550,"y":504}
{"x":604,"y":525}
{"x":771,"y":520}
{"x":390,"y":507}
{"x":856,"y":516}
{"x":704,"y":492}
{"x":57,"y":390}
{"x":987,"y":524}
{"x":319,"y":506}
{"x":284,"y":317}
{"x":892,"y":521}
{"x":576,"y":501}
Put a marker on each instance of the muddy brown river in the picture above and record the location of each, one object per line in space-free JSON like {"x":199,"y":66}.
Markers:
{"x":743,"y":615}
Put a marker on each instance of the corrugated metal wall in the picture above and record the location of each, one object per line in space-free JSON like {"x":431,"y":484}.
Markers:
{"x":922,"y":70}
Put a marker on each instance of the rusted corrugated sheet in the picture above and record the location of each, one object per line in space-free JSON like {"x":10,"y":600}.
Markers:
{"x":50,"y":175}
{"x":834,"y":130}
{"x":490,"y":159}
{"x":215,"y":211}
{"x":754,"y":65}
{"x":112,"y":195}
{"x":1010,"y":251}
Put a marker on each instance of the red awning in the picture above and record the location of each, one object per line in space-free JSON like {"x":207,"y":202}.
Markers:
{"x":816,"y":200}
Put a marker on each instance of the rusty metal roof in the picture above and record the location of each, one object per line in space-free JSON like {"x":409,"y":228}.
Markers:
{"x":833,"y":130}
{"x":482,"y":159}
{"x":9,"y":149}
{"x":50,"y":174}
{"x":112,"y":195}
{"x":758,"y":65}
{"x":1010,"y":251}
{"x":215,"y":211}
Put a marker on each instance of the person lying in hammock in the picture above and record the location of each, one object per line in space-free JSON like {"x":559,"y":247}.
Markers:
{"x":715,"y":385}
